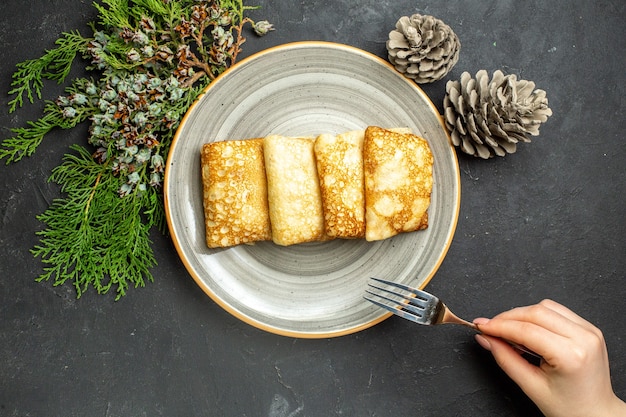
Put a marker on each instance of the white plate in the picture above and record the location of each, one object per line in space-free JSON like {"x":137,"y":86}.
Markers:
{"x":310,"y":290}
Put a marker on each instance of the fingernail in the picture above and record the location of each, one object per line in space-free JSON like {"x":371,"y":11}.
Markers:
{"x":480,"y":320}
{"x":482,"y":341}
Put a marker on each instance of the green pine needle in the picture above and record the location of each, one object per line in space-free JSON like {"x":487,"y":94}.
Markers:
{"x":27,"y":139}
{"x":93,"y":236}
{"x":55,"y":64}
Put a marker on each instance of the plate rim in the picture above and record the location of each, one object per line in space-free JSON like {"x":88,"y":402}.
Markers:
{"x":189,"y":268}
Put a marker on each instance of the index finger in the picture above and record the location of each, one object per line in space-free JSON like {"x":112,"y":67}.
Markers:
{"x":569,"y":314}
{"x":537,"y":338}
{"x":544,"y":316}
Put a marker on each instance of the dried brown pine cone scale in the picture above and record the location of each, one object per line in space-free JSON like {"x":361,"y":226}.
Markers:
{"x":487,"y":118}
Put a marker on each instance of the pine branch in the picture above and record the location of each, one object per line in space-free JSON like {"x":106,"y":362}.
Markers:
{"x":27,"y":139}
{"x":94,"y":238}
{"x":115,"y":14}
{"x":97,"y":235}
{"x":157,"y":8}
{"x":55,"y":64}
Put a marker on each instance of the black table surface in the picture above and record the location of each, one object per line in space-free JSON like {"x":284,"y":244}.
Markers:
{"x":545,"y":222}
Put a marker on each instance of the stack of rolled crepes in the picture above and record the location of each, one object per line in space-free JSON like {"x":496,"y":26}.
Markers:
{"x":372,"y":184}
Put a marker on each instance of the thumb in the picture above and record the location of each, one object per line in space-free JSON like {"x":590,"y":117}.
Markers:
{"x":529,"y":377}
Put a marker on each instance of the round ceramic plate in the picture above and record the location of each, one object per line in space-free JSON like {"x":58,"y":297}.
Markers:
{"x":309,"y":290}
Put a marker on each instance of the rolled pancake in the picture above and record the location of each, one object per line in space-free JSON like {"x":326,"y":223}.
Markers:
{"x":398,"y":182}
{"x":340,"y":170}
{"x":234,"y":193}
{"x":295,"y":202}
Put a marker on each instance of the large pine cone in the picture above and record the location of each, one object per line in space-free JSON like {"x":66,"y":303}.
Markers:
{"x":488,"y":118}
{"x":423,"y":48}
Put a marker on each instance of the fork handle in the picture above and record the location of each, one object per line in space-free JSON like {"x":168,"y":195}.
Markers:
{"x":450,"y":317}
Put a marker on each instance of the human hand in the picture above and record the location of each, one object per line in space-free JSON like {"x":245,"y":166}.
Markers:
{"x":573,"y":378}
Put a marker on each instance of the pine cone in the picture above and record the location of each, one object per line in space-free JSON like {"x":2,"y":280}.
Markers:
{"x":488,"y":118}
{"x":423,"y":48}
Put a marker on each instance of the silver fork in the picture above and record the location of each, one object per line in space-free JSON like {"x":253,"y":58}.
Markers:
{"x":420,"y":307}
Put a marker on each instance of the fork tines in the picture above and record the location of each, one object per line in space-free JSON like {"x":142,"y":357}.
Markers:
{"x":413,"y":304}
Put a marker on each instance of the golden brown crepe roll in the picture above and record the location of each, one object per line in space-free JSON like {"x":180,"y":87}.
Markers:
{"x":398,"y":182}
{"x":235,"y":193}
{"x":295,"y":202}
{"x":340,"y":171}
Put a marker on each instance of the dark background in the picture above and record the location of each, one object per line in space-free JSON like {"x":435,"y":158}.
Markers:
{"x":547,"y":221}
